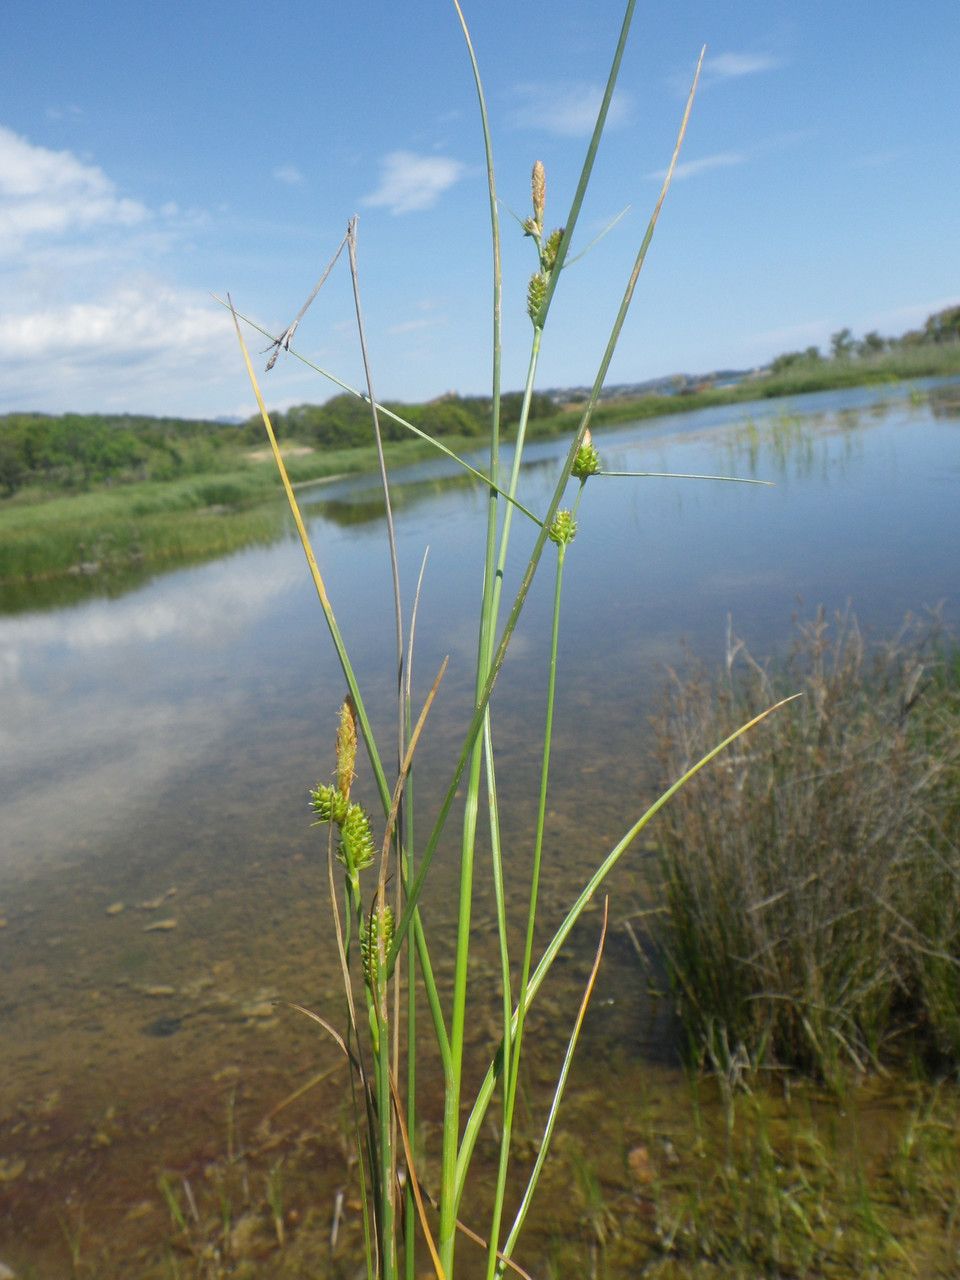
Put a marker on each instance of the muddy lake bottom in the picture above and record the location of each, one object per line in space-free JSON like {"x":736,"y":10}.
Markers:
{"x":155,"y":1129}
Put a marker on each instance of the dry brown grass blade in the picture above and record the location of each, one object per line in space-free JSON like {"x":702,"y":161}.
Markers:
{"x":331,"y":1030}
{"x":419,"y":1191}
{"x":405,"y":769}
{"x":299,"y":1093}
{"x":281,"y":465}
{"x":415,"y":1181}
{"x":395,"y":805}
{"x":283,"y":342}
{"x":478,"y":1239}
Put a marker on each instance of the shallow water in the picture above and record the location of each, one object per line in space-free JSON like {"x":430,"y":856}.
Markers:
{"x":156,"y":749}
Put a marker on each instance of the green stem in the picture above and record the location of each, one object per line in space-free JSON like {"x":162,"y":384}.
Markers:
{"x":511,"y":1057}
{"x":492,"y":801}
{"x":388,"y":1185}
{"x":475,"y":1119}
{"x":453,"y":1071}
{"x":515,"y":467}
{"x":410,"y":1208}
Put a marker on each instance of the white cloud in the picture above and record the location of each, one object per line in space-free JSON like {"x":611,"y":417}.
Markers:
{"x":909,"y":316}
{"x":44,"y":192}
{"x":773,"y":341}
{"x":411,"y":182}
{"x":690,"y":168}
{"x":121,"y":350}
{"x":731,"y":66}
{"x":412,"y":326}
{"x":88,"y":319}
{"x":289,"y":174}
{"x":69,"y":112}
{"x":133,"y":320}
{"x":568,"y":110}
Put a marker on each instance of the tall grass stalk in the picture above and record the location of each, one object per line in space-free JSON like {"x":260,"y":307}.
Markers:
{"x":372,"y":934}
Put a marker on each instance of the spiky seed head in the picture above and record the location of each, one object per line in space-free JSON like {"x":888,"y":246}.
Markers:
{"x":381,"y":923}
{"x":563,"y":529}
{"x":548,"y":255}
{"x":356,"y":850}
{"x":346,"y":746}
{"x":538,"y":190}
{"x":587,"y":461}
{"x":536,"y":292}
{"x":329,"y":804}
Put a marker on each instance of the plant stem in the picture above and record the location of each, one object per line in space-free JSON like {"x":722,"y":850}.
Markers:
{"x":512,"y":1062}
{"x":475,"y":1119}
{"x":451,"y":1119}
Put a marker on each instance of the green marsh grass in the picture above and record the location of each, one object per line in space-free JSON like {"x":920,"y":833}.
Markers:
{"x":155,"y":523}
{"x":379,"y":857}
{"x":811,"y":878}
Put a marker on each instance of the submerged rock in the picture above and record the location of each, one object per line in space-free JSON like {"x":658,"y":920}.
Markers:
{"x":166,"y":1026}
{"x":11,"y":1169}
{"x":161,"y":926}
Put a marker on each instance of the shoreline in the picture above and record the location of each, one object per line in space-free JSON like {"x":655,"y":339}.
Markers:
{"x":104,"y":536}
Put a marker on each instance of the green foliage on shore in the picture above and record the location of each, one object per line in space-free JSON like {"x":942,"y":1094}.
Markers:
{"x":87,"y":493}
{"x":74,"y":453}
{"x":139,"y":526}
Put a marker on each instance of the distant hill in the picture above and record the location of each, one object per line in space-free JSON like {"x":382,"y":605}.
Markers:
{"x":670,"y":385}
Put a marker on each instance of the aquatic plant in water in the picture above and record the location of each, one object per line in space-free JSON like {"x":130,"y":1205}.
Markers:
{"x":383,"y":942}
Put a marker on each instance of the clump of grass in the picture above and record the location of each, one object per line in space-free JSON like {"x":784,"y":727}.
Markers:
{"x":811,"y":879}
{"x":379,"y":860}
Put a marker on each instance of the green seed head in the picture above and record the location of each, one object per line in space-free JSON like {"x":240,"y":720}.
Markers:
{"x":536,"y":292}
{"x":356,"y":850}
{"x":587,"y":461}
{"x":563,"y":529}
{"x":329,"y":804}
{"x":548,"y":254}
{"x":380,"y":923}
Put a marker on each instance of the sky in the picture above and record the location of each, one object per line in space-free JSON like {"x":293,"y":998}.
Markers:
{"x":154,"y":155}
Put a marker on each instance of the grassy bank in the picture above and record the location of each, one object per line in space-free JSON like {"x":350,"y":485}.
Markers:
{"x":811,"y":879}
{"x":109,"y":531}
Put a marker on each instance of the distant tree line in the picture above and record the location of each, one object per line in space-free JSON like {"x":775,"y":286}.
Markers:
{"x":344,"y":421}
{"x":940,"y":328}
{"x":75,"y":451}
{"x":78,"y":451}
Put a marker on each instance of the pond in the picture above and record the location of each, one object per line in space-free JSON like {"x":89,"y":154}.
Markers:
{"x":160,"y":884}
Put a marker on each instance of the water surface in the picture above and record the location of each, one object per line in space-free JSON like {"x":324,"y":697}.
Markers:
{"x":156,"y":750}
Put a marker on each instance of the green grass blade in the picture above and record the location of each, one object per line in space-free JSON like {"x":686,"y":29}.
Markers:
{"x":587,"y":169}
{"x":554,"y":1111}
{"x":475,"y":1119}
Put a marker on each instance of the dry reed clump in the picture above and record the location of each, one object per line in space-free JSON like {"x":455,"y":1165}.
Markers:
{"x":812,"y":877}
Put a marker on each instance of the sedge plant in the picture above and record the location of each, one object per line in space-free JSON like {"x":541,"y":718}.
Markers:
{"x":379,"y":863}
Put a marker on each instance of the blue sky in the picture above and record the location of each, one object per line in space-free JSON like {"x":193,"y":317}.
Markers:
{"x":154,"y":153}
